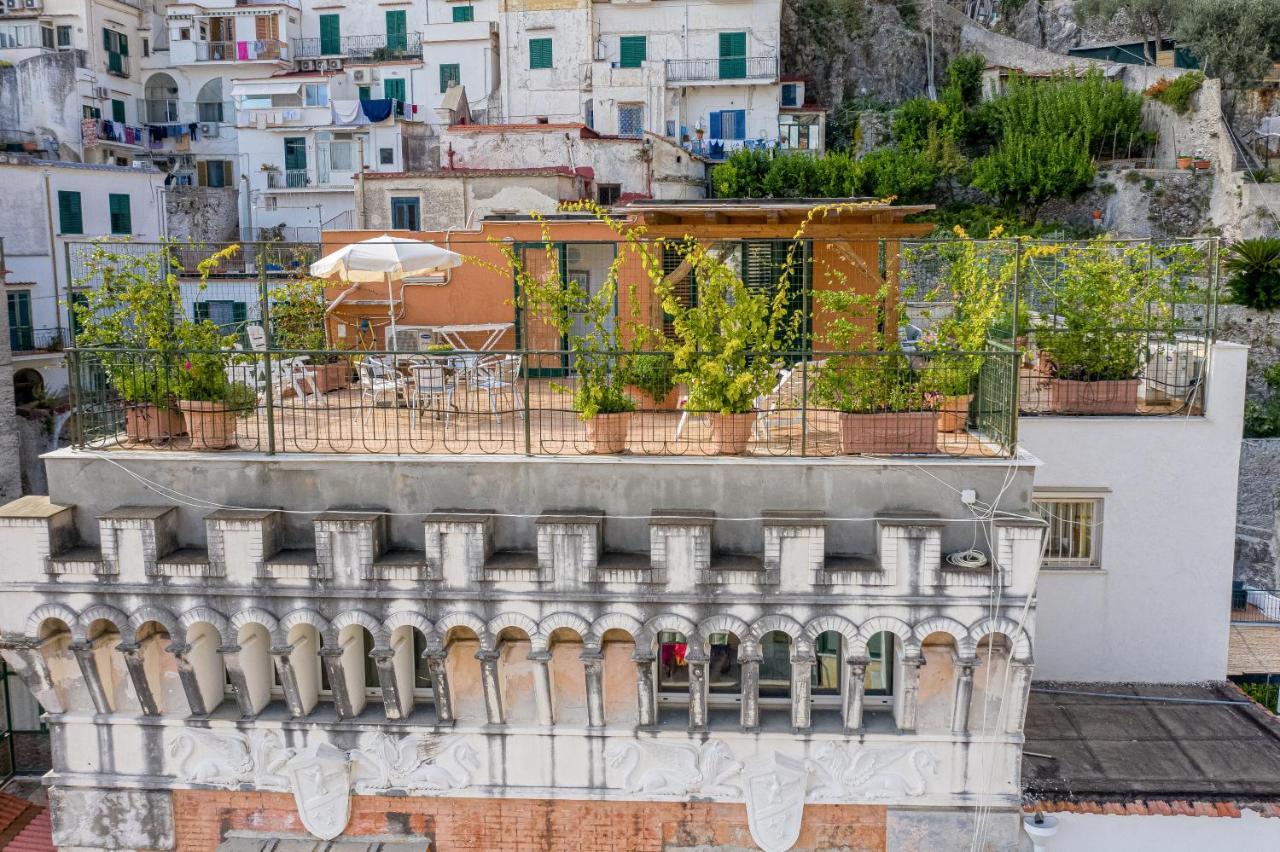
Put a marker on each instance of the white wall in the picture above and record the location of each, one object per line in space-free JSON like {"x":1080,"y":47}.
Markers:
{"x":1105,"y":833}
{"x":1158,"y":608}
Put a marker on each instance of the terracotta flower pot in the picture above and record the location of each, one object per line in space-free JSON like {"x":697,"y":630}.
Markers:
{"x":730,"y":433}
{"x":608,"y":432}
{"x":1202,"y":165}
{"x":212,"y":425}
{"x":332,"y":377}
{"x":646,"y":402}
{"x":152,"y":423}
{"x":1184,"y":162}
{"x":891,"y":432}
{"x":1115,"y":396}
{"x":953,"y":413}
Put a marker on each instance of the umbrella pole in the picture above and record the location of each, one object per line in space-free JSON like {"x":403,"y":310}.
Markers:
{"x":391,"y":312}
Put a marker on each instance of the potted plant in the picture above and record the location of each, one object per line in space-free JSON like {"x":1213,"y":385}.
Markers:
{"x":650,"y":378}
{"x":586,"y":322}
{"x":1202,"y":164}
{"x":870,"y":381}
{"x":209,"y":399}
{"x":1184,"y":161}
{"x":125,"y":311}
{"x":298,"y":327}
{"x":726,"y":344}
{"x":1106,"y":298}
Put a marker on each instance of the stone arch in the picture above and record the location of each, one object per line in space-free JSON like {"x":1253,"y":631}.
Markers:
{"x":564,"y":621}
{"x":208,"y":615}
{"x":256,"y":615}
{"x":832,"y":624}
{"x":50,"y":612}
{"x":460,"y":618}
{"x":782,"y":623}
{"x":726,"y":623}
{"x":1007,"y":627}
{"x":409,"y":618}
{"x":517,"y":620}
{"x":671,"y":621}
{"x":102,"y":612}
{"x":949,"y":626}
{"x":884,"y":624}
{"x":327,"y":631}
{"x":365,"y":620}
{"x":160,"y":616}
{"x":618,"y":621}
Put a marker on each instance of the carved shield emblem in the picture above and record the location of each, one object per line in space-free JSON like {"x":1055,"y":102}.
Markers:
{"x":775,"y":800}
{"x":321,"y":781}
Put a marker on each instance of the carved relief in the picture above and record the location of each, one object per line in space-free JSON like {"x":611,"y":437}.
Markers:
{"x":853,"y":772}
{"x":775,"y":789}
{"x":676,"y":769}
{"x":321,"y":780}
{"x":230,"y":758}
{"x":416,"y":764}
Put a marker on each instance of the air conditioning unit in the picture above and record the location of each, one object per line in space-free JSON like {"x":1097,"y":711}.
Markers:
{"x":410,"y":338}
{"x":333,"y":64}
{"x":307,"y":64}
{"x":100,"y":93}
{"x":209,"y":129}
{"x":360,"y":75}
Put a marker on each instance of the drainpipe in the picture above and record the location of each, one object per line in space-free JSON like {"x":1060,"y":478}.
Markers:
{"x":360,"y":205}
{"x":248,"y":206}
{"x":53,"y":256}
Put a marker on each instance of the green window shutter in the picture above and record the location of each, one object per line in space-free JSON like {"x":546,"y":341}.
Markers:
{"x":449,"y":74}
{"x":239,"y":314}
{"x":733,"y":56}
{"x":330,"y":34}
{"x":463,"y":14}
{"x":295,"y":153}
{"x":397,"y":32}
{"x":632,"y":51}
{"x":106,"y":41}
{"x":124,"y":45}
{"x":121,"y":220}
{"x":364,"y":93}
{"x":540,"y":53}
{"x":200,"y":311}
{"x":70,"y":220}
{"x":393,"y":88}
{"x":117,"y":111}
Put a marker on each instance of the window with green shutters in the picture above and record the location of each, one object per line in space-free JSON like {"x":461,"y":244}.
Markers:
{"x":632,"y":51}
{"x":733,"y":56}
{"x":397,"y":32}
{"x":539,"y":53}
{"x":121,"y":220}
{"x":70,"y":219}
{"x":364,"y":93}
{"x":450,"y":75}
{"x":229,"y":316}
{"x":21,"y":334}
{"x":462,"y":14}
{"x":117,"y":111}
{"x":330,"y":34}
{"x":393,"y":88}
{"x":117,"y":47}
{"x":295,"y":153}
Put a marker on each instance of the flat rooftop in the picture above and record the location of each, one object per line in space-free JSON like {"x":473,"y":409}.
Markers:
{"x":1117,"y":743}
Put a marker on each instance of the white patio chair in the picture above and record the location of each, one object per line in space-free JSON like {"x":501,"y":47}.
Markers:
{"x":782,"y":404}
{"x":494,"y":377}
{"x":257,"y":336}
{"x":378,"y":381}
{"x":431,"y":382}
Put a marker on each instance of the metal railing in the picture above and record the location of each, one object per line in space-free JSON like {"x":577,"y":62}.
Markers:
{"x":288,"y":179}
{"x":270,"y":258}
{"x":26,"y":339}
{"x":521,"y":402}
{"x":230,"y":51}
{"x":1255,"y":605}
{"x":716,"y":70}
{"x":362,"y":48}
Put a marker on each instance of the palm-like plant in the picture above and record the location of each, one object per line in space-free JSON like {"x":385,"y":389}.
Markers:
{"x":1254,"y":266}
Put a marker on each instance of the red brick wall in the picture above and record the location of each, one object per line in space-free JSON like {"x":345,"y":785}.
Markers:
{"x":523,"y":825}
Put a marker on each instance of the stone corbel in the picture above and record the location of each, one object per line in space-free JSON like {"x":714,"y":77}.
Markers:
{"x":196,"y":705}
{"x":802,"y":662}
{"x":440,"y":686}
{"x":25,"y":658}
{"x":393,"y":695}
{"x":750,"y":662}
{"x":136,"y":665}
{"x":239,"y":684}
{"x":964,"y":692}
{"x":289,"y":681}
{"x":646,"y":703}
{"x":344,"y":702}
{"x":542,"y":685}
{"x":593,"y":669}
{"x":1016,"y":713}
{"x":83,"y":651}
{"x":909,"y":669}
{"x":489,"y":682}
{"x":855,"y":693}
{"x":696,"y":661}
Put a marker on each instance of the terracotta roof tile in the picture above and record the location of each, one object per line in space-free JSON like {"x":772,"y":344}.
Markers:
{"x":36,"y":837}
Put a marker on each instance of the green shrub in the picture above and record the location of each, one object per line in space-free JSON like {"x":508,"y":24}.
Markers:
{"x":654,"y":373}
{"x":1254,"y":267}
{"x":1035,"y":167}
{"x":912,"y":120}
{"x":1265,"y":694}
{"x":1176,"y":93}
{"x":908,"y":175}
{"x":1262,"y":419}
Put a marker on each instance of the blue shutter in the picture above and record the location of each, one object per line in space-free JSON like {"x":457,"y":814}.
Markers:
{"x":739,"y":124}
{"x":715,"y":125}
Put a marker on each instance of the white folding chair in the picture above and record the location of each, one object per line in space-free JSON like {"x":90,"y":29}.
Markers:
{"x":495,"y":377}
{"x":431,"y":382}
{"x":378,"y":381}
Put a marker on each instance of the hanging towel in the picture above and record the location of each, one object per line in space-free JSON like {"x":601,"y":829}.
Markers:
{"x":347,"y":113}
{"x":242,"y":50}
{"x":377,"y":110}
{"x":292,"y":114}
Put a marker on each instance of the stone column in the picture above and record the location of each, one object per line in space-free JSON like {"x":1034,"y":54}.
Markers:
{"x":83,"y":651}
{"x":909,"y":671}
{"x":489,"y":682}
{"x":646,"y":698}
{"x":239,"y":685}
{"x":134,"y":662}
{"x":964,"y":691}
{"x":392,"y":701}
{"x":696,"y":660}
{"x":750,"y":663}
{"x":801,"y":689}
{"x":542,"y":686}
{"x":855,"y":693}
{"x":593,"y":667}
{"x":289,"y":681}
{"x":1020,"y":691}
{"x":24,"y":658}
{"x":440,"y":687}
{"x":331,"y":659}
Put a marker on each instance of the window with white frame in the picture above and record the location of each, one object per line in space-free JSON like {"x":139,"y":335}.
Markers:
{"x":315,"y":94}
{"x":1073,"y":537}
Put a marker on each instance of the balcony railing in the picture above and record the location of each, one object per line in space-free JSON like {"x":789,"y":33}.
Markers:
{"x":719,"y":149}
{"x":362,"y":48}
{"x":753,"y":68}
{"x":241,"y":51}
{"x":1255,"y":605}
{"x":24,"y":339}
{"x":288,"y":179}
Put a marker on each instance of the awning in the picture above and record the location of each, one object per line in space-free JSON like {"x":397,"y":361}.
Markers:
{"x":263,"y":89}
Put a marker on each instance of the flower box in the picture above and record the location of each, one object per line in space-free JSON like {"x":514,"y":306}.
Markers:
{"x":886,"y":433}
{"x":152,"y":423}
{"x":1113,"y":396}
{"x":607,"y":433}
{"x":730,"y":433}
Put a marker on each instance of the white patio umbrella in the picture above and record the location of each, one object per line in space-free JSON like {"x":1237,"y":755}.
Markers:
{"x":385,"y":258}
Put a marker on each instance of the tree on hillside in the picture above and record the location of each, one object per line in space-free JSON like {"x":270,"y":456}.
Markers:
{"x":1155,"y":18}
{"x":1236,"y":40}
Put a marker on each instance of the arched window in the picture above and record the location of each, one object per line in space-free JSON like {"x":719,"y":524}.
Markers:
{"x":209,"y":101}
{"x":161,"y":96}
{"x":775,"y":665}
